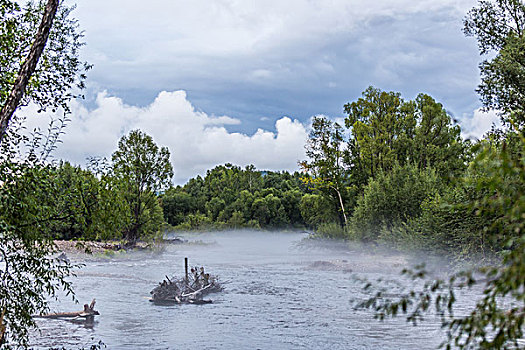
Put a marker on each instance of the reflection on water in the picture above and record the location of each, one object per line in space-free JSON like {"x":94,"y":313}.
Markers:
{"x":274,"y":299}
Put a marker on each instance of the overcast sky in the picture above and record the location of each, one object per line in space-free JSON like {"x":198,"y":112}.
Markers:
{"x":238,"y":81}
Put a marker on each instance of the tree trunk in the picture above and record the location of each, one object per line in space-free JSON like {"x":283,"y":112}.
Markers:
{"x":341,"y":204}
{"x":2,"y":328}
{"x":29,"y":66}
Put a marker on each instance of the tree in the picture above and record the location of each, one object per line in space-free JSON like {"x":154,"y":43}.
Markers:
{"x":144,"y":170}
{"x":382,"y":127}
{"x":499,"y":27}
{"x":92,"y":202}
{"x":176,"y":204}
{"x":387,"y":130}
{"x":31,"y":70}
{"x":28,"y":270}
{"x":316,"y":210}
{"x":268,"y":211}
{"x":392,"y":199}
{"x":436,"y":142}
{"x":325,"y":151}
{"x":498,"y":317}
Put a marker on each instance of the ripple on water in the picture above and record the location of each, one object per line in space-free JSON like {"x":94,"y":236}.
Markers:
{"x":272,"y":300}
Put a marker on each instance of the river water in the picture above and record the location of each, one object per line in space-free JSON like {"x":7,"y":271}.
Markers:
{"x":277,"y":296}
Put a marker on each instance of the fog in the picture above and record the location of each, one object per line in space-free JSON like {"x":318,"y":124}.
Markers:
{"x":281,"y":291}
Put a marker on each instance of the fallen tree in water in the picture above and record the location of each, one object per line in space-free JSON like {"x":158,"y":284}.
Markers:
{"x":89,"y":312}
{"x":190,"y":289}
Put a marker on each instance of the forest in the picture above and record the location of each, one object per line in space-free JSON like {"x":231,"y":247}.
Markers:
{"x":397,"y":172}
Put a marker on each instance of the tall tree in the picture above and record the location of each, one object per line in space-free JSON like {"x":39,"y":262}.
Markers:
{"x":382,"y":127}
{"x":325,"y":149}
{"x":38,"y":64}
{"x":145,"y":169}
{"x":496,"y":320}
{"x":436,"y":142}
{"x":499,"y":27}
{"x":386,"y":130}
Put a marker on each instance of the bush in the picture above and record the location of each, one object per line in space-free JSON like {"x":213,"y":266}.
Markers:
{"x":392,"y":199}
{"x":331,"y":230}
{"x":317,"y":210}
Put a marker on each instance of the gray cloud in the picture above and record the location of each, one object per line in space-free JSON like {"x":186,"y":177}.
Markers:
{"x":266,"y":59}
{"x":258,"y":61}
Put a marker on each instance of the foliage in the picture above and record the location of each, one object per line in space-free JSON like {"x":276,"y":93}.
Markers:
{"x":143,"y":170}
{"x":497,"y":320}
{"x":499,"y":27}
{"x":386,"y":130}
{"x":93,"y":207}
{"x":383,"y":131}
{"x":59,"y":70}
{"x":325,"y":152}
{"x":176,"y":205}
{"x":331,"y":230}
{"x":391,"y":199}
{"x":28,"y":270}
{"x":492,"y":197}
{"x":317,"y":210}
{"x":381,"y":126}
{"x":229,"y":196}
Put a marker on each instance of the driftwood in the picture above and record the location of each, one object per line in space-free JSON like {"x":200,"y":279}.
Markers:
{"x":89,"y":312}
{"x":187,"y":290}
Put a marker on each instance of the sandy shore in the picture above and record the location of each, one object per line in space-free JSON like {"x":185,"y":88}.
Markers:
{"x":88,"y":247}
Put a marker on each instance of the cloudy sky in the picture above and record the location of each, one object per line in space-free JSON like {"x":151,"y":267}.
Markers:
{"x":238,"y":81}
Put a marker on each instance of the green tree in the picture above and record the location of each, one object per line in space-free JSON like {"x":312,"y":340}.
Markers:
{"x":269,"y":212}
{"x":386,"y":130}
{"x":392,"y":199}
{"x":382,"y":125}
{"x":436,"y":142}
{"x":499,"y":27}
{"x":214,"y":207}
{"x":111,"y":214}
{"x":77,"y":200}
{"x":39,"y":58}
{"x":176,"y":204}
{"x":291,"y":200}
{"x":325,"y":165}
{"x":316,"y":210}
{"x":39,"y":69}
{"x":28,"y":269}
{"x":144,"y":170}
{"x":497,"y":319}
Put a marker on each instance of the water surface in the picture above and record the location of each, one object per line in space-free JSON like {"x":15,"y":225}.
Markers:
{"x":275,"y":298}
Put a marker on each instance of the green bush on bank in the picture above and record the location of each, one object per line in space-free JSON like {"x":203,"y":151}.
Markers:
{"x":390,"y":200}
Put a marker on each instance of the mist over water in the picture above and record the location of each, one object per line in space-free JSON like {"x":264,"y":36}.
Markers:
{"x":281,"y":292}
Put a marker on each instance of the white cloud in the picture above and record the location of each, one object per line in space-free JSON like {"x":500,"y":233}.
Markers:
{"x":479,"y":123}
{"x":196,"y":140}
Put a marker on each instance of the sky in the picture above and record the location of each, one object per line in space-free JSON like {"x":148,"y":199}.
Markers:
{"x":239,"y":80}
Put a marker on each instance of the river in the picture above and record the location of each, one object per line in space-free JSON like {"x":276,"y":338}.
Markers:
{"x":277,"y":296}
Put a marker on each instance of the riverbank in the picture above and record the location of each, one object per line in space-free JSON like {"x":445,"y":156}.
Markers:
{"x":94,"y":247}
